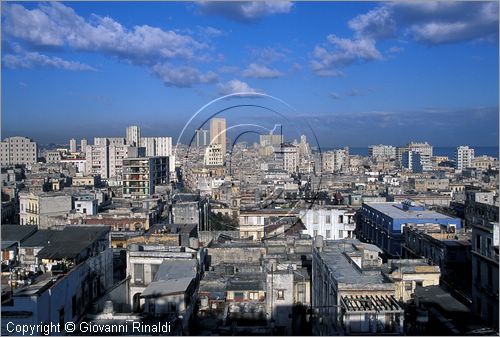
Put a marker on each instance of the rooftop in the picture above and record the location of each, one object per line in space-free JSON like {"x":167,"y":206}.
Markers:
{"x":71,"y":241}
{"x":393,"y":210}
{"x":17,"y":232}
{"x":335,"y":256}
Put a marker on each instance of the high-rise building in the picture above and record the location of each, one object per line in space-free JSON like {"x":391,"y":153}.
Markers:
{"x":412,"y":160}
{"x":290,"y":157}
{"x":107,"y":159}
{"x":18,"y":151}
{"x":464,"y":157}
{"x":72,"y":145}
{"x":133,"y":136}
{"x":157,"y":146}
{"x":107,"y":141}
{"x":218,"y":133}
{"x":337,"y":160}
{"x":271,"y":139}
{"x":202,"y":137}
{"x":425,"y":151}
{"x":83,"y":145}
{"x":142,"y":175}
{"x":382,"y":151}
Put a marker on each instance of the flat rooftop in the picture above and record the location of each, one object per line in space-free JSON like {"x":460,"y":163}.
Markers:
{"x":392,"y":210}
{"x":334,"y":255}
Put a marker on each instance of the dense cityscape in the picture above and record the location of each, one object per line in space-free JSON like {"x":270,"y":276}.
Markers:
{"x":285,"y":240}
{"x":258,"y":168}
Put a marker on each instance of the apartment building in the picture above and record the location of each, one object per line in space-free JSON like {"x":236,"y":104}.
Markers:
{"x":331,"y":222}
{"x":142,"y":175}
{"x":18,"y":151}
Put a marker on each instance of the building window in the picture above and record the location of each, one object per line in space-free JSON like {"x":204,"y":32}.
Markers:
{"x":315,"y":232}
{"x":408,"y":285}
{"x":341,"y":219}
{"x":478,"y":242}
{"x":254,"y":296}
{"x":478,"y":271}
{"x":328,"y":219}
{"x":315,"y":217}
{"x":154,"y":270}
{"x":328,"y":233}
{"x":490,"y":276}
{"x":29,"y":251}
{"x":341,"y":234}
{"x":138,"y":273}
{"x":281,"y":294}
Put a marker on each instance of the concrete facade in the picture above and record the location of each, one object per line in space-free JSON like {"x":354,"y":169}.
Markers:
{"x":18,"y":151}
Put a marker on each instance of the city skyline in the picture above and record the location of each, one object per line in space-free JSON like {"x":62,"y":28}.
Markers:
{"x":360,"y":73}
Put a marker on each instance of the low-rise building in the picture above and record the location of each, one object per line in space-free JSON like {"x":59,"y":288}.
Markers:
{"x":350,"y":294}
{"x":408,"y":274}
{"x":86,"y":204}
{"x":74,"y":268}
{"x":383,"y":223}
{"x":35,"y":208}
{"x":445,"y":247}
{"x":331,"y":222}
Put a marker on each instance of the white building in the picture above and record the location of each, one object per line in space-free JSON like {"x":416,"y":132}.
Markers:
{"x":464,"y":157}
{"x":18,"y":151}
{"x":107,"y":141}
{"x":86,"y":204}
{"x":425,"y":150}
{"x":331,"y":222}
{"x":157,"y":146}
{"x":83,"y":145}
{"x":382,"y":151}
{"x":290,"y":158}
{"x":133,"y":135}
{"x":214,"y":155}
{"x":72,"y":145}
{"x":107,"y":161}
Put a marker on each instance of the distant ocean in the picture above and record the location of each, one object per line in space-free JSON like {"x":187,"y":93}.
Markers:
{"x":438,"y":151}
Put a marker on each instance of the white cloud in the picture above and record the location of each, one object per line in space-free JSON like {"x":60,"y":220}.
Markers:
{"x":245,"y":11}
{"x":377,"y":23}
{"x":210,"y":32}
{"x":430,"y":22}
{"x":58,"y":26}
{"x":260,"y":71}
{"x":236,"y":86}
{"x":327,"y":60}
{"x":31,"y":60}
{"x":182,"y":76}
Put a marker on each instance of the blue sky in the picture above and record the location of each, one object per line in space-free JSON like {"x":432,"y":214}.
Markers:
{"x":358,"y":73}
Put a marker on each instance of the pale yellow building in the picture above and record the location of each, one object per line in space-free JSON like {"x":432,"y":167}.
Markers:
{"x":408,"y":274}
